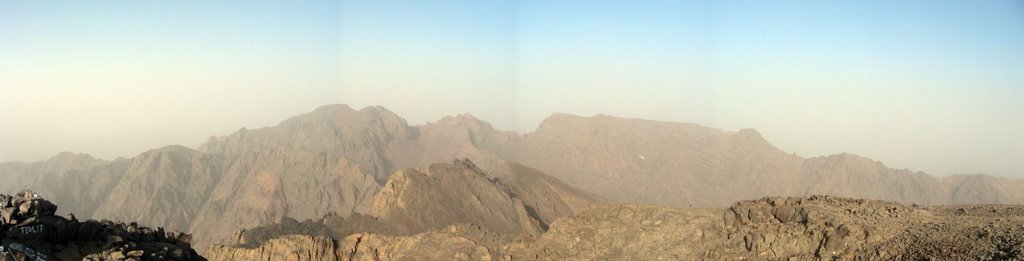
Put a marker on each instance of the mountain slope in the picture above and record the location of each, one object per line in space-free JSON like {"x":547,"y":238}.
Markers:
{"x":544,"y":196}
{"x":411,"y":201}
{"x":164,"y":186}
{"x":79,"y":182}
{"x":479,"y":211}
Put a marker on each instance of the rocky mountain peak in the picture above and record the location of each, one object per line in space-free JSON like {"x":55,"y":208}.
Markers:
{"x":333,"y":109}
{"x":558,"y":119}
{"x":849,"y":158}
{"x":466,"y":120}
{"x":410,"y":199}
{"x":68,"y":160}
{"x":165,"y":156}
{"x":748,"y":132}
{"x":67,"y":155}
{"x":753,"y":138}
{"x":327,"y":128}
{"x":456,"y":166}
{"x":170,"y":149}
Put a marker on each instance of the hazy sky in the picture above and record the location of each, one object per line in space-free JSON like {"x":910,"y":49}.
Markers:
{"x":930,"y":85}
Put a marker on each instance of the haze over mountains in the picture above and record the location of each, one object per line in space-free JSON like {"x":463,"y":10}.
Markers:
{"x":340,"y":161}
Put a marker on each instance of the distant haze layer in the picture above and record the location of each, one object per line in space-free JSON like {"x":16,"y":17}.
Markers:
{"x":934,"y":87}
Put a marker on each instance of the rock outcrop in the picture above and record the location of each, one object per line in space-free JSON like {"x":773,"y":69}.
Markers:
{"x":839,"y":228}
{"x":290,"y":247}
{"x":30,"y":231}
{"x":424,"y":246}
{"x":775,"y":228}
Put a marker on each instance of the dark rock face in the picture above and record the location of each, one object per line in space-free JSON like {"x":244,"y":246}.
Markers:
{"x":30,"y":231}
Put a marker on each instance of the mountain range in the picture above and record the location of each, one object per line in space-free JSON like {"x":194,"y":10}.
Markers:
{"x":340,"y":162}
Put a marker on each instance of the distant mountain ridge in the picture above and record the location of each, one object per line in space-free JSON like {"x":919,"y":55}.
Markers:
{"x":336,"y":160}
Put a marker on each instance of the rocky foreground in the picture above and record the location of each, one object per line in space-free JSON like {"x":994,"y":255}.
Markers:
{"x":809,"y":228}
{"x":30,"y":230}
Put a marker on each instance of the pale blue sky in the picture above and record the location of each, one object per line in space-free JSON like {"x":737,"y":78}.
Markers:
{"x":924,"y":85}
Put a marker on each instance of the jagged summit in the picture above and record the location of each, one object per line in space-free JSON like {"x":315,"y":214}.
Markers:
{"x":70,"y":160}
{"x":67,"y":155}
{"x":461,"y":119}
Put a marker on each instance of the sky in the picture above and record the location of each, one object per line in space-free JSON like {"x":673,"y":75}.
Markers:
{"x":934,"y":86}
